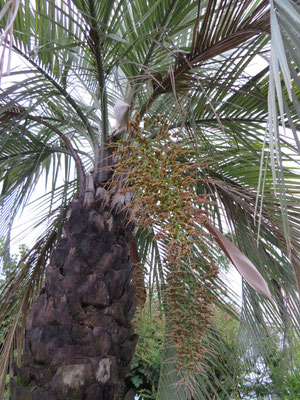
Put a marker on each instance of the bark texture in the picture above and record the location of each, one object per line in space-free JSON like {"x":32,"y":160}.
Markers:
{"x":79,"y":339}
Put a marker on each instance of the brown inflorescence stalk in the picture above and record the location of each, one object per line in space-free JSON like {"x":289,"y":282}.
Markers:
{"x":163,"y":174}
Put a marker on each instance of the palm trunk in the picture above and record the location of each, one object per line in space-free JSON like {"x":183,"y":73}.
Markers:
{"x":79,"y":339}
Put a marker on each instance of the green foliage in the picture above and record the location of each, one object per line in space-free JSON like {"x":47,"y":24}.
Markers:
{"x":145,"y":368}
{"x":188,"y":60}
{"x":286,"y":384}
{"x":9,"y":265}
{"x":255,"y":380}
{"x":273,"y":373}
{"x":147,"y":363}
{"x":10,"y":261}
{"x":6,"y":393}
{"x":227,"y":326}
{"x":284,"y":381}
{"x":292,"y":385}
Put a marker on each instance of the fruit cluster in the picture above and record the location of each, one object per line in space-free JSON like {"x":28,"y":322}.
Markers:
{"x":163,"y":174}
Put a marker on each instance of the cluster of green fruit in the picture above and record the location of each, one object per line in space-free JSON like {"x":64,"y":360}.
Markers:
{"x":163,"y":183}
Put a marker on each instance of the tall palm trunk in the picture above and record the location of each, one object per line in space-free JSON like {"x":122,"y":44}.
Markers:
{"x":79,"y":338}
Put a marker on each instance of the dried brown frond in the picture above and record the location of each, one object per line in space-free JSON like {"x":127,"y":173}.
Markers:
{"x":16,"y":297}
{"x":225,"y":25}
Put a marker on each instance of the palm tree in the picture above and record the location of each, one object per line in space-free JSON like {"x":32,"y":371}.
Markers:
{"x":176,"y":77}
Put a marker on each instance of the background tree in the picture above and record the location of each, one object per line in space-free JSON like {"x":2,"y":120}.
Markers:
{"x":205,"y":147}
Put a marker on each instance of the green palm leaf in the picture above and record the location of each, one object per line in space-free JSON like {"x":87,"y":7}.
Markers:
{"x":189,"y":62}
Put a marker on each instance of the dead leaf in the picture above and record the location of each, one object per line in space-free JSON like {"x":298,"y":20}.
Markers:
{"x":121,"y":110}
{"x":242,"y":263}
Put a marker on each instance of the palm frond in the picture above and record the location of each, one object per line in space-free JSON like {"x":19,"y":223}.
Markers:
{"x":191,"y":61}
{"x":17,"y":295}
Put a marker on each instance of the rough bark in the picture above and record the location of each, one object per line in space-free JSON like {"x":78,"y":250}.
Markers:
{"x":138,"y":274}
{"x":79,"y":339}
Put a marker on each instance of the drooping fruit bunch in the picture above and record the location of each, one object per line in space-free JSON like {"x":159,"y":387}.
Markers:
{"x":162,"y":174}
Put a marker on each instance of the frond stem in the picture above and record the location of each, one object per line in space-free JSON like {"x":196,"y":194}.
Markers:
{"x":152,"y":47}
{"x":61,"y":90}
{"x":77,"y":160}
{"x":192,"y":61}
{"x":94,"y":35}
